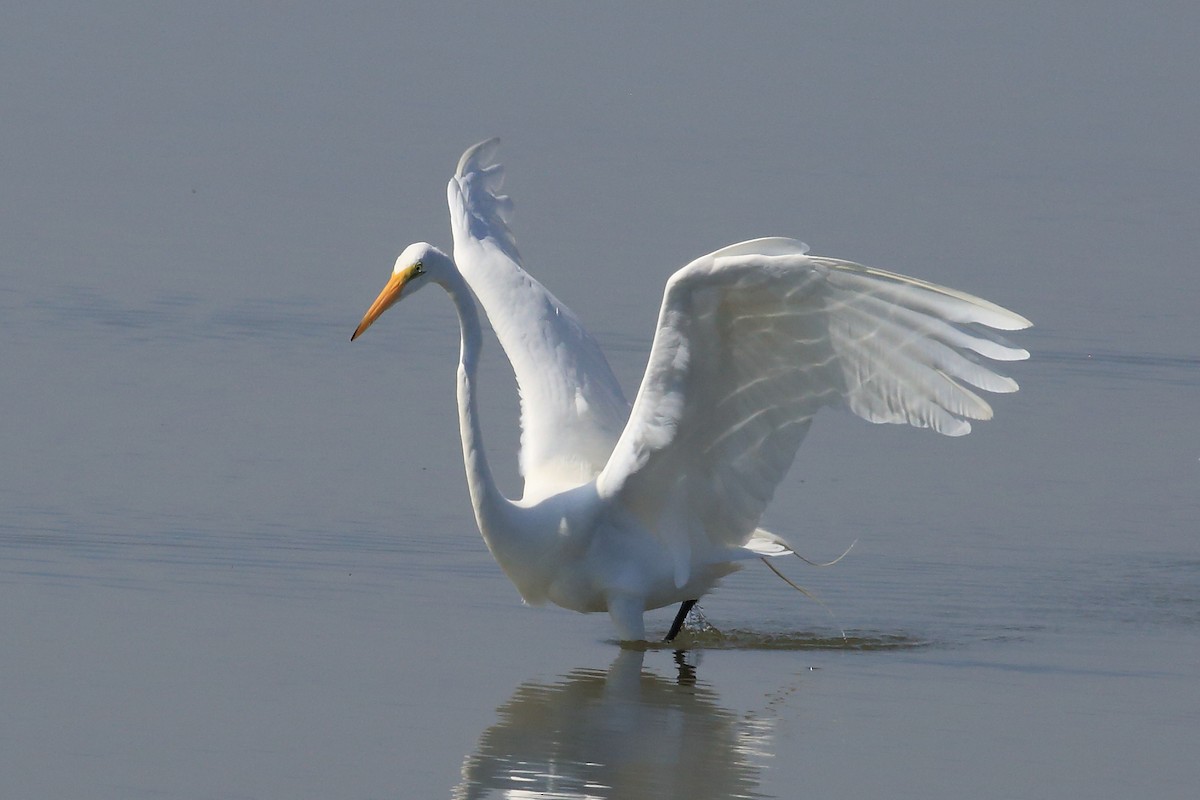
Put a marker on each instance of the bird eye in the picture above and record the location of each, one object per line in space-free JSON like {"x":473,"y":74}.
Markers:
{"x":418,"y":269}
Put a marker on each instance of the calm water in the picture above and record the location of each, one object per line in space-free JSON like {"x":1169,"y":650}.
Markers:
{"x":236,"y":554}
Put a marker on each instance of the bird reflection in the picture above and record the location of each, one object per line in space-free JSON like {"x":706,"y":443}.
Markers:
{"x":621,"y":733}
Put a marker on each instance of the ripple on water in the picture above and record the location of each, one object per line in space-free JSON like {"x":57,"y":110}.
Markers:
{"x":710,"y":638}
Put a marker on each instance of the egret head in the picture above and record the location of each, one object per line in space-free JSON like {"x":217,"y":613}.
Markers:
{"x":416,"y":266}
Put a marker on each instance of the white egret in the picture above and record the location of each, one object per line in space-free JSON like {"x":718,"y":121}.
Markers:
{"x":629,"y":509}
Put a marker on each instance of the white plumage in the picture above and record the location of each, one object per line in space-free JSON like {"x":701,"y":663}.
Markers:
{"x":627,"y":509}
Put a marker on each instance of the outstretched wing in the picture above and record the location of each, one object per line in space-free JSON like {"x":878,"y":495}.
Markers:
{"x":752,"y":340}
{"x":572,"y":408}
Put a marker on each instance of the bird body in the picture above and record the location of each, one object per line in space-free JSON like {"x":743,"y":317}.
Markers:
{"x":629,"y":508}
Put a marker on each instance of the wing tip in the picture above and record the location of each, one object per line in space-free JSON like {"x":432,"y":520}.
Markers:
{"x":1012,"y":321}
{"x":477,"y":156}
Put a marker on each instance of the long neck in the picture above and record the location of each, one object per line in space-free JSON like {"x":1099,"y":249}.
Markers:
{"x":512,"y":533}
{"x":486,"y":497}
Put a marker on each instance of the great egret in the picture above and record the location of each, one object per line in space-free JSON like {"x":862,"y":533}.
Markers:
{"x":628,"y":509}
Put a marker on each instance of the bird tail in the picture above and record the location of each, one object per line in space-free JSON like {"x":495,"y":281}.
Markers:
{"x":763,"y":543}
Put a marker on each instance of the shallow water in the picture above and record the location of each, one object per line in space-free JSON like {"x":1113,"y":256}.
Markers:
{"x":236,"y":552}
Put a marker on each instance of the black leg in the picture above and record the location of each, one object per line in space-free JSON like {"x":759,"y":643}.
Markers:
{"x":684,"y":608}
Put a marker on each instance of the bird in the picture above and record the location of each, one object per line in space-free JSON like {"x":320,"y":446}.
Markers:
{"x":628,"y":507}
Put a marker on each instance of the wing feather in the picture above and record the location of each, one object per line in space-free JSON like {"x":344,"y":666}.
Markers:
{"x":752,"y":341}
{"x":572,"y":408}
